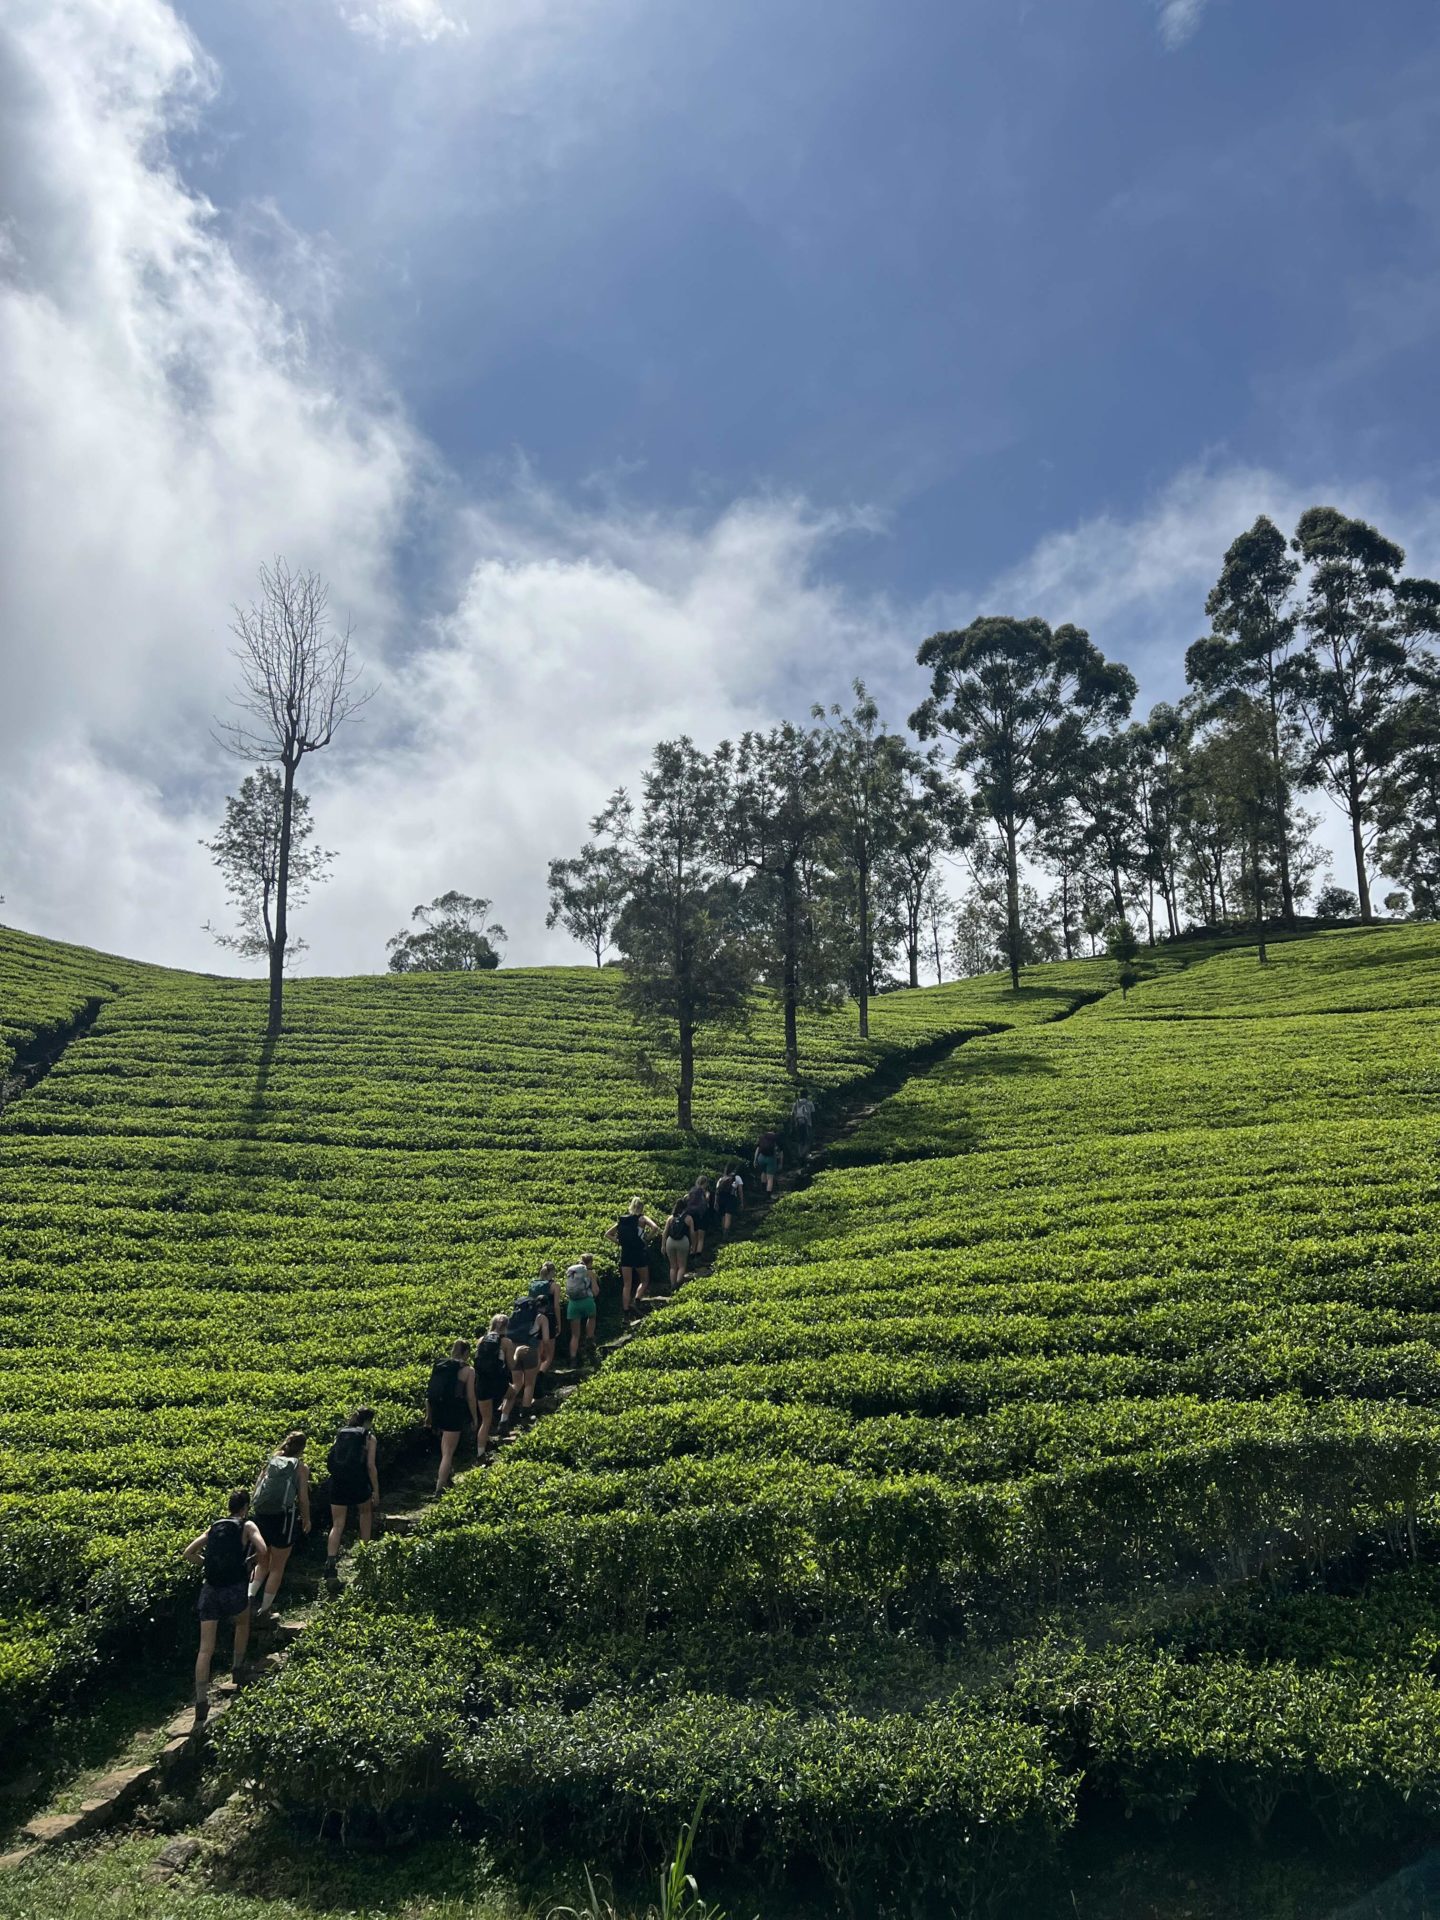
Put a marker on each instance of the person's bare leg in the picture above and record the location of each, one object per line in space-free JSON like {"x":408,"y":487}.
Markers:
{"x":204,"y":1660}
{"x":338,"y":1517}
{"x":448,"y":1443}
{"x":367,"y":1519}
{"x":279,"y":1556}
{"x":482,"y":1432}
{"x":242,"y":1641}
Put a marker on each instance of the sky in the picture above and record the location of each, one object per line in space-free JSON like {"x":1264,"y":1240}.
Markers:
{"x":631,"y":367}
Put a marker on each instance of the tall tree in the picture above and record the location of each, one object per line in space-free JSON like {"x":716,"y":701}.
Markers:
{"x":1407,"y":801}
{"x":451,"y":935}
{"x":687,"y":963}
{"x":247,"y":851}
{"x":1019,"y":702}
{"x":866,"y":769}
{"x":1248,"y":654}
{"x":1352,"y":678}
{"x":586,"y":896}
{"x":929,"y":820}
{"x":773,"y":816}
{"x":298,"y":685}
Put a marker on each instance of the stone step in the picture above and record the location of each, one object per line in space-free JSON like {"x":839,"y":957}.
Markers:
{"x":403,"y":1523}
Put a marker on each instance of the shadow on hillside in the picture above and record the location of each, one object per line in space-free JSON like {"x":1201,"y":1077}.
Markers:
{"x":950,"y":1116}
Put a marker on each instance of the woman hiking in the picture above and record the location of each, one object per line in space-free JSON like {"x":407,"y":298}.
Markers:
{"x":582,"y":1303}
{"x":767,"y":1159}
{"x":700,"y":1208}
{"x":544,"y":1290}
{"x":521,"y":1345}
{"x":450,"y":1406}
{"x":629,"y":1233}
{"x":280,"y":1508}
{"x":492,"y":1380}
{"x":353,"y":1482}
{"x":224,"y":1553}
{"x":679,"y":1230}
{"x":729,"y":1197}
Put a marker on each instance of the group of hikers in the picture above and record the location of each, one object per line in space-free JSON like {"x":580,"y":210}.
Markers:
{"x":486,"y":1391}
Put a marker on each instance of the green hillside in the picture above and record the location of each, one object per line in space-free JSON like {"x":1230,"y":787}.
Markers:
{"x":206,"y":1241}
{"x":1071,"y":1446}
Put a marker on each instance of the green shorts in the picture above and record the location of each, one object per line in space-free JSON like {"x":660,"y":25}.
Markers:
{"x":580,"y":1309}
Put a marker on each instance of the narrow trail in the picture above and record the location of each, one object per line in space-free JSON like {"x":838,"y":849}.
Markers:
{"x":34,"y":1060}
{"x":170,"y":1756}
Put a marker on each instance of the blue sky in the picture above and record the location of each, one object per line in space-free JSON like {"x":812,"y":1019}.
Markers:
{"x":990,"y":268}
{"x":637,"y":366}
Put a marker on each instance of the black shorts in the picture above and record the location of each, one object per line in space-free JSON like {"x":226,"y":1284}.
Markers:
{"x":223,"y":1603}
{"x":278,"y":1529}
{"x":449,"y":1419}
{"x":350,"y":1493}
{"x":489,"y":1392}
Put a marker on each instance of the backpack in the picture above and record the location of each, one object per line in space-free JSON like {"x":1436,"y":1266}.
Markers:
{"x":443,"y":1391}
{"x":347,"y":1457}
{"x":523,"y":1316}
{"x":490,"y":1367}
{"x":578,"y":1284}
{"x":278,"y":1488}
{"x":540,"y":1292}
{"x":725,"y":1195}
{"x":225,"y":1564}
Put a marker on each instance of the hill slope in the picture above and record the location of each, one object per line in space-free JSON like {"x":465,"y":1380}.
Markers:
{"x":207,"y":1241}
{"x":1095,"y":1320}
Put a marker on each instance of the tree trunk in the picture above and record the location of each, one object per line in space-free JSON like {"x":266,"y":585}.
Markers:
{"x":1012,"y":903}
{"x":1259,"y":900}
{"x":1357,"y":840}
{"x":282,"y":899}
{"x":1282,"y":824}
{"x":1065,"y":934}
{"x":864,"y":876}
{"x":685,"y":1090}
{"x":939,"y":968}
{"x":791,"y":971}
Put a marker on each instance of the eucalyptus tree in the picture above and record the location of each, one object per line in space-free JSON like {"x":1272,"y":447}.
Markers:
{"x":1248,"y":655}
{"x":929,"y":821}
{"x":586,"y":896}
{"x":1020,"y":704}
{"x":1364,"y":631}
{"x":774,"y":813}
{"x":297,"y":687}
{"x":866,"y":768}
{"x":687,"y":963}
{"x":450,"y":935}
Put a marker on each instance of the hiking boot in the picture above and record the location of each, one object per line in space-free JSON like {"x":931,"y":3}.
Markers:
{"x":332,"y":1566}
{"x":202,"y":1712}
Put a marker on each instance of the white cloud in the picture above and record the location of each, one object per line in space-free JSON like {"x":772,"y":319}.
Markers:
{"x":168,"y":426}
{"x":1179,"y":20}
{"x":400,"y":20}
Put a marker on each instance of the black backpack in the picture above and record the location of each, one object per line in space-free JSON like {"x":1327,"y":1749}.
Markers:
{"x":224,"y":1560}
{"x":522,"y":1321}
{"x":347,"y":1456}
{"x":444,"y":1387}
{"x":490,"y":1367}
{"x":725,"y":1196}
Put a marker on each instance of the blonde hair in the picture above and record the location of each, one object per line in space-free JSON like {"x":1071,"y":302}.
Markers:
{"x":637,"y":1205}
{"x":547,"y":1272}
{"x":499,"y":1322}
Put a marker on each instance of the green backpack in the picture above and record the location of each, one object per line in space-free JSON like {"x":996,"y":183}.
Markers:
{"x":278,"y":1488}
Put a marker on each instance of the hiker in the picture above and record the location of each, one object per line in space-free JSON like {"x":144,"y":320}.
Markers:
{"x":628,"y":1233}
{"x":678,"y":1232}
{"x":545,"y":1291}
{"x":729,"y":1197}
{"x":697,"y":1205}
{"x":767,"y":1158}
{"x":353,"y":1482}
{"x":492,"y":1379}
{"x":581,"y":1302}
{"x":802,"y":1123}
{"x":450,"y":1406}
{"x":280,"y":1508}
{"x":521,"y":1347}
{"x":223,"y":1553}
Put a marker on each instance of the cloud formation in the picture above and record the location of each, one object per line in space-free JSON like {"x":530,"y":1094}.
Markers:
{"x":400,"y":20}
{"x":1179,"y":20}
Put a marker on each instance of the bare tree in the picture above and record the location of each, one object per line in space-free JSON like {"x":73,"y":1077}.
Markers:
{"x":297,"y":684}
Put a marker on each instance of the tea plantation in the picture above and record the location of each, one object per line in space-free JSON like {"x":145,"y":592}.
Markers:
{"x":1070,"y":1446}
{"x":206,"y":1241}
